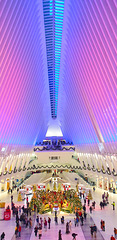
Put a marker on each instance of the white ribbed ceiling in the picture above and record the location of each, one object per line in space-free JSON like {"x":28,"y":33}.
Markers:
{"x":86,"y":106}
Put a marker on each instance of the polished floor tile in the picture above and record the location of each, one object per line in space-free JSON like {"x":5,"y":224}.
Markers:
{"x":107,"y":214}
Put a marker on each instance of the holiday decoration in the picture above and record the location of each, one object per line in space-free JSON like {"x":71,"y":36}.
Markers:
{"x":54,"y":187}
{"x":59,"y":187}
{"x":77,"y":190}
{"x":19,"y":197}
{"x":34,"y":188}
{"x":48,"y":187}
{"x":34,"y":195}
{"x":67,"y":201}
{"x":90,"y":195}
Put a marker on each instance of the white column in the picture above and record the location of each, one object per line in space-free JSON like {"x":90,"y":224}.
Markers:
{"x":107,"y":185}
{"x":27,"y":160}
{"x":102,"y":183}
{"x":5,"y":186}
{"x":23,"y":160}
{"x":97,"y":182}
{"x":11,"y":183}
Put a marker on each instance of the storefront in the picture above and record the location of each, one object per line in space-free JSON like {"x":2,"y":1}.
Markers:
{"x":100,"y":182}
{"x":106,"y":184}
{"x":113,"y":186}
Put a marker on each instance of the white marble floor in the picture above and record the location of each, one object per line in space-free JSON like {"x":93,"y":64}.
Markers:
{"x":52,"y":233}
{"x":107,"y":214}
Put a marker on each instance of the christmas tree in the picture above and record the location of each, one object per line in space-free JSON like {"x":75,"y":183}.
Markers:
{"x":34,"y":195}
{"x":59,"y":187}
{"x":34,"y":188}
{"x":54,"y":187}
{"x":19,"y":197}
{"x":77,"y":188}
{"x":90,"y":195}
{"x":48,"y":187}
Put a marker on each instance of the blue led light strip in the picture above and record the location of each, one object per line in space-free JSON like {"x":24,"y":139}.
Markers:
{"x":53,"y":20}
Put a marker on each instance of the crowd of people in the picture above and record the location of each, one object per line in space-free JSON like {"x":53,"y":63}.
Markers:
{"x":104,"y":201}
{"x":45,"y":223}
{"x":23,"y":218}
{"x":40,"y":223}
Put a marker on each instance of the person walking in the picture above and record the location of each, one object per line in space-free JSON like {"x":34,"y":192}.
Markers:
{"x":60,"y":235}
{"x":62,"y":220}
{"x":19,"y":230}
{"x":56,"y":220}
{"x":91,"y":231}
{"x":94,"y":230}
{"x":36,"y":230}
{"x":2,"y":236}
{"x":93,"y":204}
{"x":112,"y":238}
{"x":70,"y":225}
{"x":26,"y":222}
{"x":77,"y":221}
{"x":85,"y":215}
{"x":113,"y":204}
{"x":84,"y":208}
{"x":55,"y":213}
{"x":77,"y":213}
{"x":90,"y":209}
{"x":30,"y":222}
{"x":45,"y":224}
{"x":67,"y":228}
{"x":49,"y":221}
{"x":37,"y":220}
{"x":74,"y":236}
{"x":101,"y":205}
{"x":115,"y":233}
{"x":16,"y":231}
{"x":88,"y":202}
{"x":40,"y":231}
{"x":41,"y":221}
{"x":82,"y":220}
{"x":103,"y":225}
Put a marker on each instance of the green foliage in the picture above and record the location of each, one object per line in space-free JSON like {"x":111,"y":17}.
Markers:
{"x":44,"y":211}
{"x":45,"y":201}
{"x":65,"y":210}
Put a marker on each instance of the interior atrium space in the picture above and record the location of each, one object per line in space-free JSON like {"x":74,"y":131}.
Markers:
{"x":58,"y":119}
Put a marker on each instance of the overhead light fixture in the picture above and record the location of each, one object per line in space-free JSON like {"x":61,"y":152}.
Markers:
{"x":3,"y":149}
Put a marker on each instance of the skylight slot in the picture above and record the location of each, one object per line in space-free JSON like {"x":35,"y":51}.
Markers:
{"x":53,"y":20}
